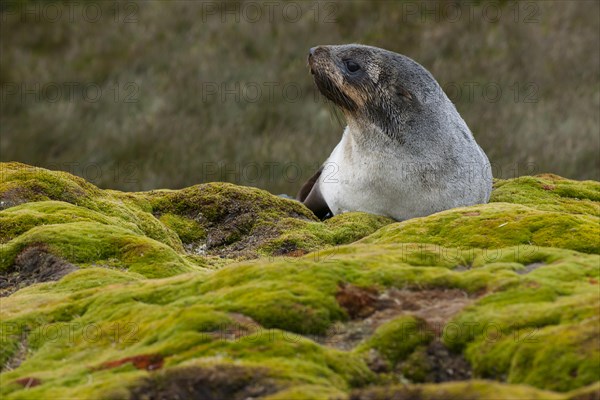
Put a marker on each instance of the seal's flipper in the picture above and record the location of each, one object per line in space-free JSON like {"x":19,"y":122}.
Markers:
{"x":310,"y":196}
{"x":307,"y":187}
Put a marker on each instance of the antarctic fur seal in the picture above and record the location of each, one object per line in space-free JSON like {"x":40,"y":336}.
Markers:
{"x":405,"y":152}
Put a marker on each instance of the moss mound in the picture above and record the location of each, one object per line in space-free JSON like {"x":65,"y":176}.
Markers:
{"x":546,"y":211}
{"x":219,"y":290}
{"x":475,"y":390}
{"x":397,"y":339}
{"x":159,"y":233}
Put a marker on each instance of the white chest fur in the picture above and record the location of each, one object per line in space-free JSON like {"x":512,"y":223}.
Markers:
{"x":394,"y":183}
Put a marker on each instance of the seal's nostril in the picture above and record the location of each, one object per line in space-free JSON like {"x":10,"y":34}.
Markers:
{"x":311,"y":51}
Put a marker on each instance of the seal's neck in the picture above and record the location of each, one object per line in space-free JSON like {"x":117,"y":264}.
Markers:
{"x":369,"y":137}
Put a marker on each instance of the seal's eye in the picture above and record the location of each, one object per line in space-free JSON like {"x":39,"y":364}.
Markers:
{"x":352,"y":66}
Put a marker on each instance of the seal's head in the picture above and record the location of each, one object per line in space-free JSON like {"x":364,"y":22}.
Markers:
{"x":376,"y":86}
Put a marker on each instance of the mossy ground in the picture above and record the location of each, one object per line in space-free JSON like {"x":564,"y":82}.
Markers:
{"x":235,"y":291}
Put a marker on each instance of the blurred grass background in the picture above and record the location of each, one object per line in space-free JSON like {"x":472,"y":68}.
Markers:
{"x":142,"y":95}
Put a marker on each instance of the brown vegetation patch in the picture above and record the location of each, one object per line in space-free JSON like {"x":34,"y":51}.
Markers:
{"x":223,"y":242}
{"x":289,"y":250}
{"x":206,"y":383}
{"x":296,"y":253}
{"x":371,"y":310}
{"x":148,"y":362}
{"x":33,"y":265}
{"x":29,"y":382}
{"x":435,"y":306}
{"x":244,"y":320}
{"x":242,"y":326}
{"x":358,"y":302}
{"x":240,"y":239}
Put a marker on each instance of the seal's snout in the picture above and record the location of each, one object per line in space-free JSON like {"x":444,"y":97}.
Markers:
{"x":315,"y":52}
{"x":311,"y":54}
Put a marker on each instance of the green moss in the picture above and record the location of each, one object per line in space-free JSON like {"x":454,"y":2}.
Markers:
{"x":559,"y":358}
{"x":307,"y":392}
{"x":416,"y":366}
{"x":303,"y":236}
{"x":279,"y":351}
{"x":544,"y":211}
{"x":523,"y":263}
{"x":20,"y":183}
{"x":188,"y":230}
{"x":471,"y":390}
{"x":188,"y":317}
{"x":550,"y":193}
{"x":96,"y":243}
{"x":80,"y":280}
{"x":536,"y":331}
{"x":117,"y":323}
{"x":564,"y":357}
{"x":226,"y":219}
{"x":216,"y":201}
{"x":247,"y":218}
{"x":497,"y":225}
{"x":398,"y":338}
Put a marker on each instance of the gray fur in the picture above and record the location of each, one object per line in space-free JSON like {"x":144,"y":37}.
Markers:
{"x":406,"y":151}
